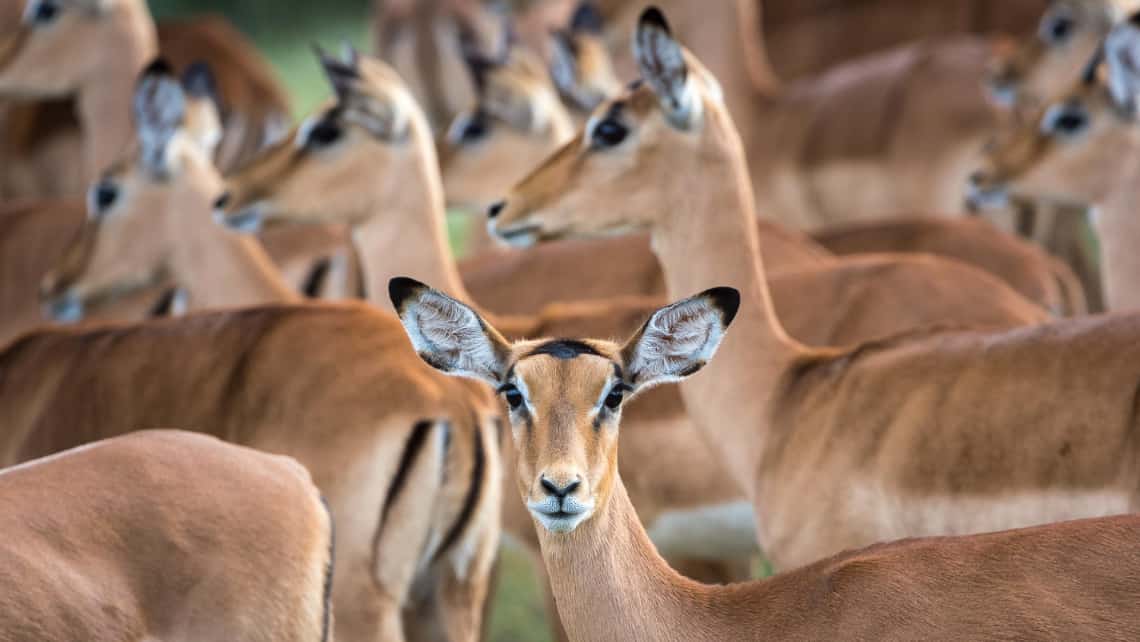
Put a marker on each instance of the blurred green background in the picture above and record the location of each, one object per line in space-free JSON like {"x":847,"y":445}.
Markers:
{"x":285,"y":31}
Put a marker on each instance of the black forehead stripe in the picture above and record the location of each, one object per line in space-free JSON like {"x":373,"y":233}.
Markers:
{"x":564,"y":349}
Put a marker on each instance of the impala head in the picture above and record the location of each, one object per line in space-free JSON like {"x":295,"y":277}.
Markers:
{"x":1044,"y":64}
{"x":138,"y":207}
{"x":341,"y":164}
{"x":1070,"y":151}
{"x":62,"y":45}
{"x":517,"y":120}
{"x":638,"y":155}
{"x":564,"y":397}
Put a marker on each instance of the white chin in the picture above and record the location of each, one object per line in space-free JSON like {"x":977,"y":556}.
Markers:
{"x":560,"y":524}
{"x":519,"y":240}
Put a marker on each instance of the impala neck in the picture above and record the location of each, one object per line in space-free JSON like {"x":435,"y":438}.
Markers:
{"x":1118,"y":228}
{"x":708,"y":238}
{"x":407,"y":235}
{"x":104,"y":101}
{"x":221,"y":268}
{"x":610,"y":583}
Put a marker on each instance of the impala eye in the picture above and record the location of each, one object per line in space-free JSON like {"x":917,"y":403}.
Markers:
{"x":1057,"y":28}
{"x":323,"y":134}
{"x":609,"y":133}
{"x":614,"y":399}
{"x":44,"y":12}
{"x":1065,"y":121}
{"x":469,"y":129}
{"x":512,"y":395}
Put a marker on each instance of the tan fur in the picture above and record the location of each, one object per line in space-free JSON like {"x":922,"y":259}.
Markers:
{"x":163,"y":535}
{"x":1097,"y":167}
{"x":477,"y":171}
{"x":45,"y":134}
{"x":882,"y":135}
{"x":398,"y":226}
{"x":842,"y":448}
{"x":46,"y":66}
{"x":222,"y":373}
{"x":1036,"y":69}
{"x":33,"y":238}
{"x":165,"y":227}
{"x":1029,"y":269}
{"x":1062,"y":581}
{"x":525,"y":120}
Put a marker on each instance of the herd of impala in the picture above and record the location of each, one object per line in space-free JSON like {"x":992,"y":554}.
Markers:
{"x":247,"y":393}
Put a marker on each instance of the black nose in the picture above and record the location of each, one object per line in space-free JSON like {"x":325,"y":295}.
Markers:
{"x":495,"y":209}
{"x":105,"y":196}
{"x":557,"y":491}
{"x":222,"y":201}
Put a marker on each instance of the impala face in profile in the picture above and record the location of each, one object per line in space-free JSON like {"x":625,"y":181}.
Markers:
{"x":1042,"y":65}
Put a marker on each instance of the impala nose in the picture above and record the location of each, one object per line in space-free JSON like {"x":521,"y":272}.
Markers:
{"x":496,"y":209}
{"x":559,"y":490}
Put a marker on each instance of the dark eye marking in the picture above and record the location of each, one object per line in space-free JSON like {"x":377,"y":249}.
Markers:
{"x":564,"y":349}
{"x":609,"y":133}
{"x":512,"y":395}
{"x":323,"y":134}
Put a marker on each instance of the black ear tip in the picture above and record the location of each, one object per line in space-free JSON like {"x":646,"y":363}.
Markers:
{"x":653,"y":17}
{"x":586,"y":18}
{"x":158,"y":67}
{"x":1134,"y":19}
{"x":402,"y":288}
{"x":727,"y":300}
{"x":198,"y":79}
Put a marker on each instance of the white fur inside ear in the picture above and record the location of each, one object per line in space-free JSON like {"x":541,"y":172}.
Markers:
{"x":661,"y":60}
{"x":450,"y":336}
{"x":676,"y":342}
{"x":1122,"y":53}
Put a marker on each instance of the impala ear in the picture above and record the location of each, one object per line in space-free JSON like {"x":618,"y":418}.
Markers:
{"x":564,"y":62}
{"x":587,"y":19}
{"x":679,"y":339}
{"x":447,"y":334}
{"x":661,"y":60}
{"x":1122,"y":55}
{"x":159,"y":107}
{"x":203,"y":120}
{"x":342,"y":75}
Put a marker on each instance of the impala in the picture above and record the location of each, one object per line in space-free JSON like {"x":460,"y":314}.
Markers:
{"x":408,"y":460}
{"x":893,"y":133}
{"x":164,"y":535}
{"x":327,"y":174}
{"x":35,"y":235}
{"x":66,"y":52}
{"x":484,"y":151}
{"x":1075,"y":580}
{"x":1081,"y":148}
{"x":1029,"y":269}
{"x":1043,"y":65}
{"x":374,"y":130}
{"x":932,"y":432}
